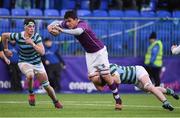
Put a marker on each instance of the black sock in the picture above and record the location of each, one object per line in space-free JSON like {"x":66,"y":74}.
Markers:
{"x":31,"y":91}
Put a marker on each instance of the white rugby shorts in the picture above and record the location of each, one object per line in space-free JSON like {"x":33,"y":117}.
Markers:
{"x":95,"y":59}
{"x":27,"y":67}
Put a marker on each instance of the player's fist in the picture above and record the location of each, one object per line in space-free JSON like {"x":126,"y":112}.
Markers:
{"x":7,"y":61}
{"x":173,"y":47}
{"x":8,"y":53}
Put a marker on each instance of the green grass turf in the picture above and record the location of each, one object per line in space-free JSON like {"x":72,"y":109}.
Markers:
{"x":86,"y":105}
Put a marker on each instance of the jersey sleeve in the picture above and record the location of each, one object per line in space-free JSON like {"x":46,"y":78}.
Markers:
{"x":14,"y":36}
{"x":61,"y":23}
{"x":82,"y":25}
{"x":38,"y":39}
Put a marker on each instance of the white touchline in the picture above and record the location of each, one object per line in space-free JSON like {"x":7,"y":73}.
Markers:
{"x":80,"y":103}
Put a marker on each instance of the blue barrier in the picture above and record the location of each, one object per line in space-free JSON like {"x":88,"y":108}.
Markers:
{"x":122,"y":36}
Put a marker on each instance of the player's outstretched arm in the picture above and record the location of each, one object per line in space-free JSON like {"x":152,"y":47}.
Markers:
{"x":5,"y":38}
{"x":2,"y":55}
{"x":76,"y":31}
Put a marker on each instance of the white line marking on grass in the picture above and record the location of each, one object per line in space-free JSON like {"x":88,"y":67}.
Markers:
{"x":81,"y":103}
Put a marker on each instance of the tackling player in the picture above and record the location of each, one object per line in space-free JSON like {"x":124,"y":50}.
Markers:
{"x":138,"y":76}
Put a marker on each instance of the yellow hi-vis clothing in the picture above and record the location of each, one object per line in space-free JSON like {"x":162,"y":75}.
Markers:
{"x":158,"y":60}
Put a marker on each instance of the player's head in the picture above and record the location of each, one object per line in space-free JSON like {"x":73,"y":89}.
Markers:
{"x":29,"y":25}
{"x":152,"y":37}
{"x":71,"y":19}
{"x":48,"y":42}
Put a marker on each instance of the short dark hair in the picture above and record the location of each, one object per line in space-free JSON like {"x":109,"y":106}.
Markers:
{"x":153,"y":35}
{"x":70,"y":14}
{"x":28,"y":20}
{"x":47,"y":39}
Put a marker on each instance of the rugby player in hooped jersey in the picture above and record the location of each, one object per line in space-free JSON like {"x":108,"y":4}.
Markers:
{"x":138,"y":76}
{"x":30,"y":64}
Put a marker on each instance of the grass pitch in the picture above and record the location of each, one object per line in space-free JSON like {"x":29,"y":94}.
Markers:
{"x":86,"y":105}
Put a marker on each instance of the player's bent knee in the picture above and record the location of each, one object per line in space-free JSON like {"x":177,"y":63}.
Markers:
{"x":148,"y":86}
{"x":95,"y":80}
{"x":93,"y":77}
{"x":105,"y":73}
{"x":30,"y":75}
{"x":100,"y":88}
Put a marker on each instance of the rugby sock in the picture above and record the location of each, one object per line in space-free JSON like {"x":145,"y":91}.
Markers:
{"x":169,"y":91}
{"x":117,"y":85}
{"x":165,"y":102}
{"x":172,"y":93}
{"x":114,"y":90}
{"x":55,"y":101}
{"x":31,"y":91}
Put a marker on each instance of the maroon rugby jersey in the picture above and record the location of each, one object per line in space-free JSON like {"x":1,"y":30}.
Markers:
{"x":88,"y":38}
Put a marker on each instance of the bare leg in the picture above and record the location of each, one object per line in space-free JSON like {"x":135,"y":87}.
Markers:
{"x":30,"y":81}
{"x":168,"y":91}
{"x":42,"y":77}
{"x":151,"y":88}
{"x":145,"y":80}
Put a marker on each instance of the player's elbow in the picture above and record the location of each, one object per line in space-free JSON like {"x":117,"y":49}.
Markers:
{"x":42,"y":52}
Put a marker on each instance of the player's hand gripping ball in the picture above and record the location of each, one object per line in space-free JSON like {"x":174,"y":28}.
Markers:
{"x":55,"y":30}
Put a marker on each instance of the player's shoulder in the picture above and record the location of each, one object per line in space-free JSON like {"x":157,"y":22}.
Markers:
{"x":82,"y":23}
{"x":37,"y":35}
{"x":16,"y":35}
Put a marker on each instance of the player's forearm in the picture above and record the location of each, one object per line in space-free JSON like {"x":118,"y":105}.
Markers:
{"x":56,"y":22}
{"x":2,"y":56}
{"x":176,"y":50}
{"x":76,"y":31}
{"x":5,"y":37}
{"x":53,"y":24}
{"x":39,"y":48}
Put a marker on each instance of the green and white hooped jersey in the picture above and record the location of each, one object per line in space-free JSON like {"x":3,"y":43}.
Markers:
{"x":127,"y":73}
{"x":26,"y":52}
